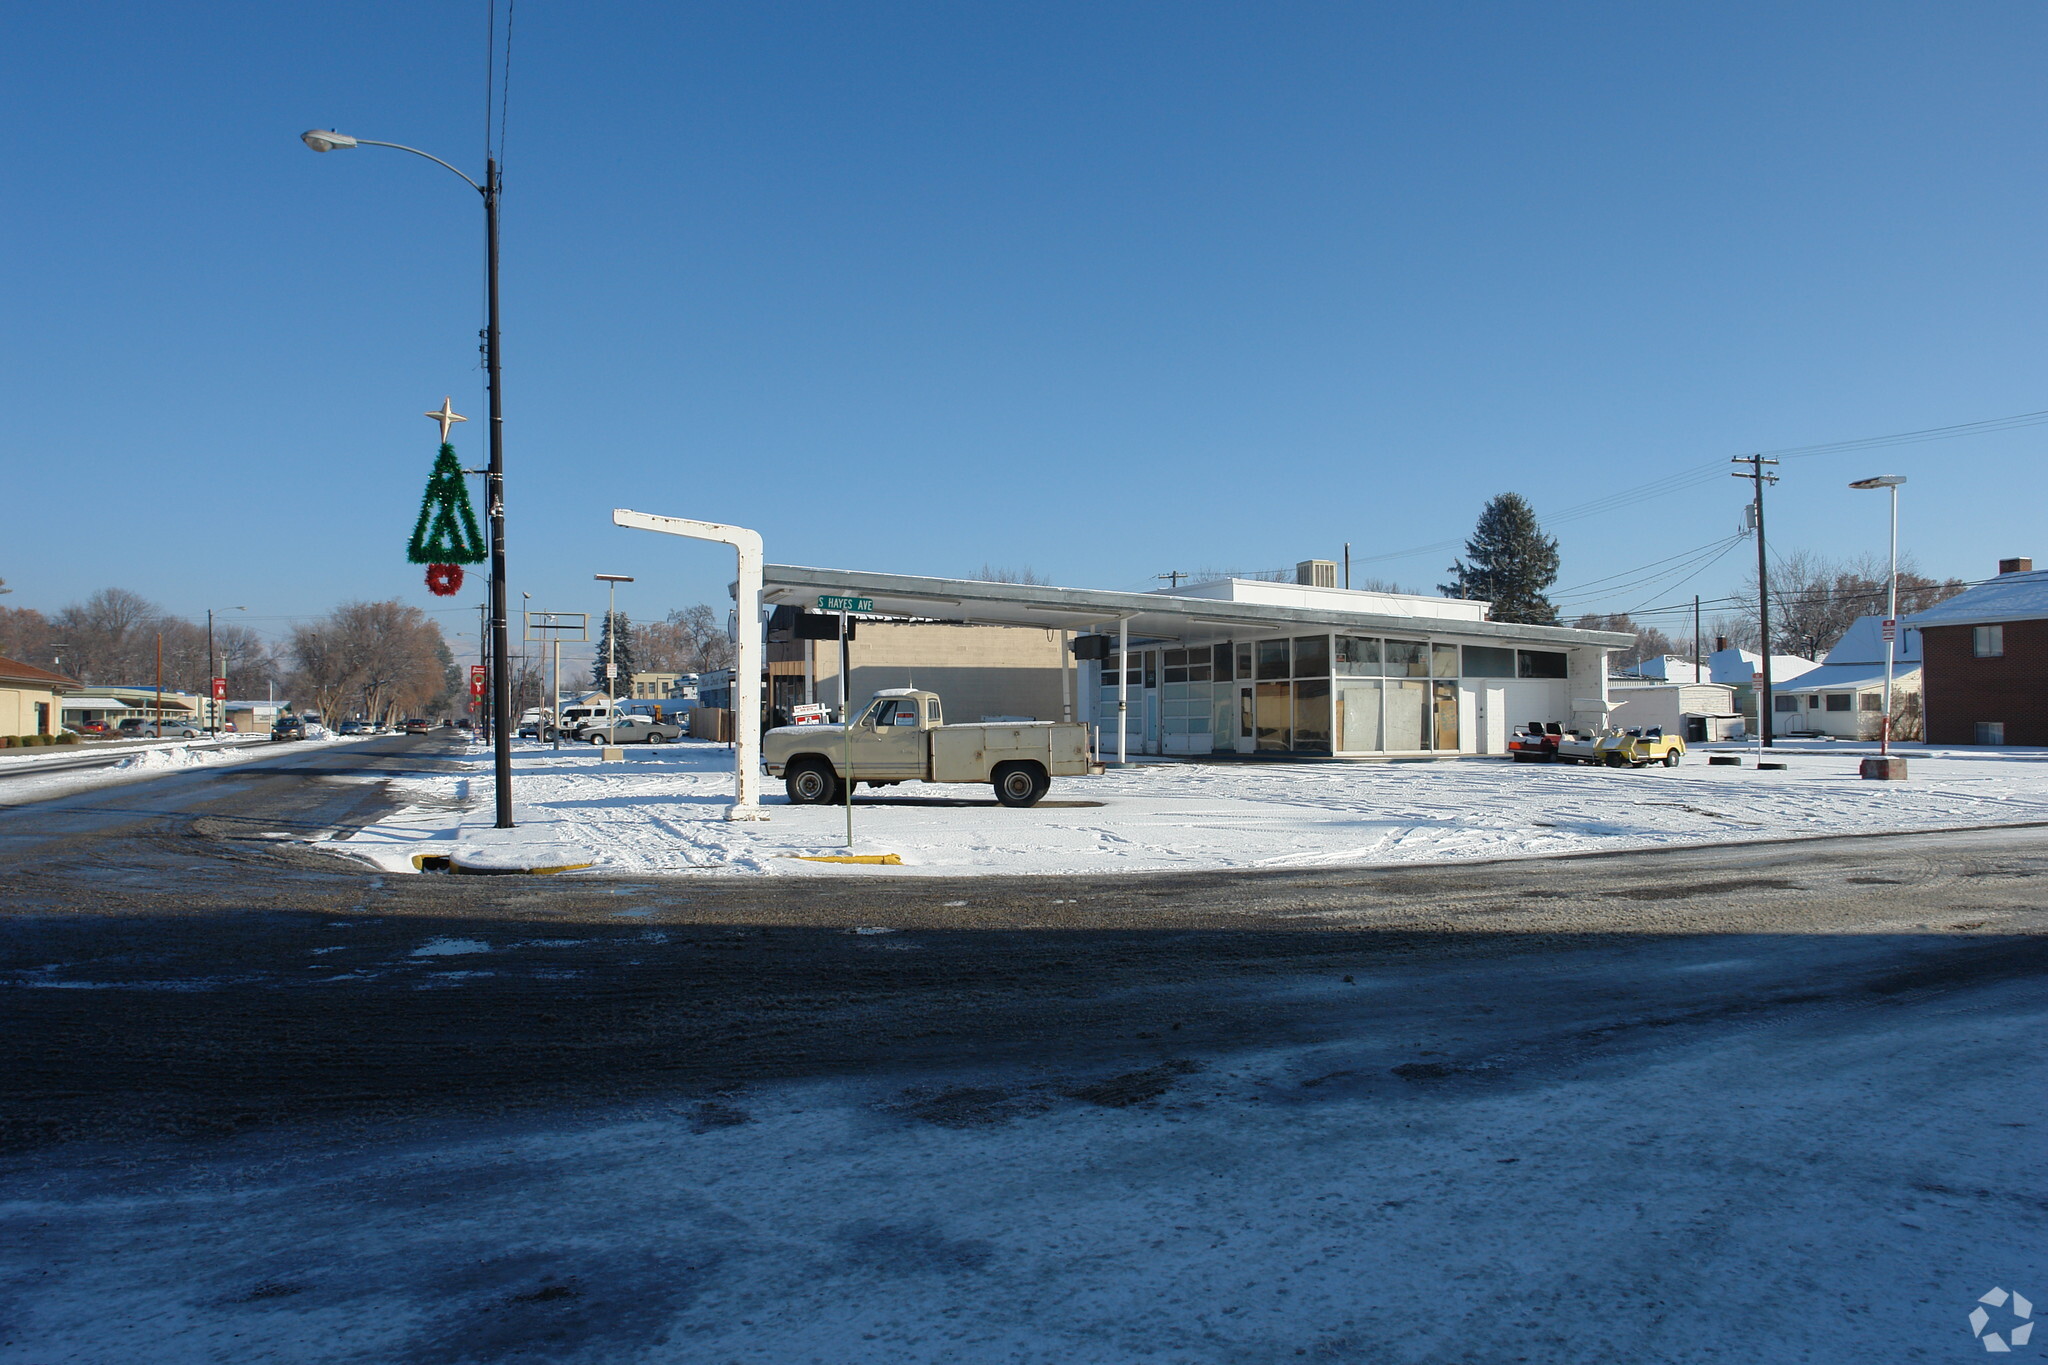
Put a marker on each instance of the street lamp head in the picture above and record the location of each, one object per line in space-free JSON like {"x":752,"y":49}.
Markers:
{"x":1881,"y":481}
{"x":613,"y":577}
{"x":321,"y":140}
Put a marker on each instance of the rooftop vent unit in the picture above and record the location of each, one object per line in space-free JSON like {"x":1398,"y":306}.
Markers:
{"x":1316,"y":573}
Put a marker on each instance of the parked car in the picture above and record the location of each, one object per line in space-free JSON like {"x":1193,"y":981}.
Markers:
{"x":415,"y":726}
{"x":288,"y":727}
{"x":353,"y":727}
{"x":577,"y":719}
{"x":634,"y":730}
{"x":169,"y":729}
{"x":93,"y":727}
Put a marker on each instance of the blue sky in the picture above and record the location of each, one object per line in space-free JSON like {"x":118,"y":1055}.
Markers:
{"x":1105,"y":290}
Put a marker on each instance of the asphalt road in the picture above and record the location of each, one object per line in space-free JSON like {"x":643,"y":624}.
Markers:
{"x":175,"y":987}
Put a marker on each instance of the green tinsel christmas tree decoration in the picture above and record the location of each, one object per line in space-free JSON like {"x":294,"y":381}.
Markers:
{"x":446,"y":532}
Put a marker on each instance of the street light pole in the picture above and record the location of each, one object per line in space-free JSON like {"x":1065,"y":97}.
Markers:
{"x":1891,"y":608}
{"x":611,"y":635}
{"x":494,"y":483}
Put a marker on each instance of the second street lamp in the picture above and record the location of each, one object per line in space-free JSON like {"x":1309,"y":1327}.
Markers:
{"x":1891,"y":607}
{"x":323,"y":140}
{"x":611,"y":636}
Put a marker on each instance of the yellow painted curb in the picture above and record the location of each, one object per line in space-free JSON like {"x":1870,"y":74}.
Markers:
{"x":888,"y":859}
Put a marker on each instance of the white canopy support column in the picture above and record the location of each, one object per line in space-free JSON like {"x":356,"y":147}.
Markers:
{"x":746,"y":680}
{"x":1123,"y":687}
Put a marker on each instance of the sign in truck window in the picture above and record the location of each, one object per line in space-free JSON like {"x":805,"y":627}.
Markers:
{"x":808,"y":714}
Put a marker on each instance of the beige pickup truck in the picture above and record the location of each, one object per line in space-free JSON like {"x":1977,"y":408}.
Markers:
{"x":902,"y":737}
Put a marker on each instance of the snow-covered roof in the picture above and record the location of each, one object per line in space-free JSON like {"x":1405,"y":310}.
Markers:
{"x":1845,"y":677}
{"x":1737,"y":665}
{"x":2008,"y":597}
{"x":1863,"y":643}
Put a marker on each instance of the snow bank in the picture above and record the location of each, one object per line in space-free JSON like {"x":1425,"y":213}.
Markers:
{"x":661,"y":810}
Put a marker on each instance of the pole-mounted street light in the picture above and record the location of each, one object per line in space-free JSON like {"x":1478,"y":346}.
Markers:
{"x":321,"y":140}
{"x":611,"y":635}
{"x":1891,"y":610}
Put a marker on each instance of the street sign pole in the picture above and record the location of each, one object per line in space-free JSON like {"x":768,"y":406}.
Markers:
{"x":846,"y":713}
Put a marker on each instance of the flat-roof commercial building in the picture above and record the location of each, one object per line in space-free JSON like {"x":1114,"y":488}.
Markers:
{"x":1246,"y":667}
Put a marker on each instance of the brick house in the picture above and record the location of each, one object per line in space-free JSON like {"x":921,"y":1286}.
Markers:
{"x":1985,"y":651}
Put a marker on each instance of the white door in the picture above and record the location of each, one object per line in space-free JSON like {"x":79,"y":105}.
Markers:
{"x":1493,"y":719}
{"x":1246,"y":734}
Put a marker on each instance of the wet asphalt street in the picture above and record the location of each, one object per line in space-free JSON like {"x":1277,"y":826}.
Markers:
{"x":173,"y":982}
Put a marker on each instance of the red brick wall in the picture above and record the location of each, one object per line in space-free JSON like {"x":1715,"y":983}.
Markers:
{"x":1959,"y":689}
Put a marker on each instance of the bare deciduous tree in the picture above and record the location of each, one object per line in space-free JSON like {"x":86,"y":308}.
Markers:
{"x":687,"y":640}
{"x":379,"y":659}
{"x":1650,"y":642}
{"x":1814,"y":600}
{"x":988,"y":573}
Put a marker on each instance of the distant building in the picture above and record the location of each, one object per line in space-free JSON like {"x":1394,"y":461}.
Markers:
{"x":30,"y":698}
{"x":1697,"y":713}
{"x":1986,"y":670}
{"x":1844,"y":696}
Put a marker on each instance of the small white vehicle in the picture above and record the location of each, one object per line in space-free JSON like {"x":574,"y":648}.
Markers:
{"x":577,"y":719}
{"x":170,"y":729}
{"x":633,"y":730}
{"x":902,"y":736}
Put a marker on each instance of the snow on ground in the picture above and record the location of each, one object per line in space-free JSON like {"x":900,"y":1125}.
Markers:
{"x":662,"y":809}
{"x":21,"y":782}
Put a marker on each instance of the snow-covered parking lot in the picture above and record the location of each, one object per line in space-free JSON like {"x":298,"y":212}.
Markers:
{"x":661,"y":810}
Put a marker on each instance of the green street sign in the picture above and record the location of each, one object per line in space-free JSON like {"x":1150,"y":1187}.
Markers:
{"x":846,"y":604}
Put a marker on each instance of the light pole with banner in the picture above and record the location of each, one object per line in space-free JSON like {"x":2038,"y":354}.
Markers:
{"x":215,"y":683}
{"x":321,"y":140}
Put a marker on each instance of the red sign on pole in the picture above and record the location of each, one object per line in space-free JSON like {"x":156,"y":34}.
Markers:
{"x":1891,"y":630}
{"x":220,"y":689}
{"x":476,"y":680}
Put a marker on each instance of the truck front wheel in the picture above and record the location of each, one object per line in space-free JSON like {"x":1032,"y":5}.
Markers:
{"x":811,"y":782}
{"x":1020,"y":784}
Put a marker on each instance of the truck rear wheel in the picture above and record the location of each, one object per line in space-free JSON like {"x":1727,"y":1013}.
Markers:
{"x":811,"y":782}
{"x":1020,"y":784}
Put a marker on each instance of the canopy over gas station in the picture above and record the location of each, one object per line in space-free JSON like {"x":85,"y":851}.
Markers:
{"x":1190,"y":617}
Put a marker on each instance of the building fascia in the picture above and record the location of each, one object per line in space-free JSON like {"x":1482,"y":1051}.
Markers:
{"x":1082,"y":609}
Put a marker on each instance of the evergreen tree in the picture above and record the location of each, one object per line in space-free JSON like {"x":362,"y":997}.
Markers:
{"x":1511,"y":563}
{"x":625,"y":655}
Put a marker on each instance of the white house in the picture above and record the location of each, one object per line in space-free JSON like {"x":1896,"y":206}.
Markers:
{"x":1844,"y":696}
{"x":1696,"y":712}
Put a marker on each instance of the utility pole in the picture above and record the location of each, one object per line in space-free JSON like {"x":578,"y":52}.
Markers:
{"x":1699,"y":663}
{"x":1173,"y":579}
{"x":1347,"y":564}
{"x":1757,"y":477}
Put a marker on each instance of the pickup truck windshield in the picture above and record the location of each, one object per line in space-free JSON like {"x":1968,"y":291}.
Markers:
{"x":895,"y":711}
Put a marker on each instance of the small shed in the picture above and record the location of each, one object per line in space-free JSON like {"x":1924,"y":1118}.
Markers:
{"x":1696,"y":712}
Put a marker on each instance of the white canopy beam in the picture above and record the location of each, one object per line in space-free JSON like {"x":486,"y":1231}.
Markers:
{"x":746,"y":677}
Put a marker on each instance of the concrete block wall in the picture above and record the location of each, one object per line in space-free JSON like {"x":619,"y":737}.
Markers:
{"x":976,"y":670}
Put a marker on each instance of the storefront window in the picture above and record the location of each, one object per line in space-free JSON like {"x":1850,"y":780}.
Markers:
{"x":1244,"y":662}
{"x":1312,"y":715}
{"x":1407,"y":705}
{"x":1407,"y":659}
{"x":1484,"y":661}
{"x":1357,"y":657}
{"x":1443,"y":661}
{"x":1542,"y":663}
{"x":1358,"y":717}
{"x":1312,"y":657}
{"x":1272,"y":658}
{"x":1223,"y":658}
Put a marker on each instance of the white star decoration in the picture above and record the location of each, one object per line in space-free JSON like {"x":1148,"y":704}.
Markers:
{"x":447,"y":417}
